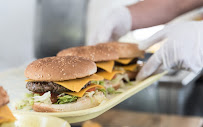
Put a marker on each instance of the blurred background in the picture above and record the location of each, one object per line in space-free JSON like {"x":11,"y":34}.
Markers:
{"x":31,"y":29}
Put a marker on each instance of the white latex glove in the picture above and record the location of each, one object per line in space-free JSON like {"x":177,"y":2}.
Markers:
{"x":116,"y":24}
{"x":183,"y":49}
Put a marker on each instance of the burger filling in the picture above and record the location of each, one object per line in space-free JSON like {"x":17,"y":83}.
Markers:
{"x":122,"y":74}
{"x":42,"y":87}
{"x":131,"y":69}
{"x":131,"y":62}
{"x":52,"y":93}
{"x":115,"y":85}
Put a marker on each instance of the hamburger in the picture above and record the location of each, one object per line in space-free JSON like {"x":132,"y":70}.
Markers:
{"x":128,"y":57}
{"x":60,"y":84}
{"x":105,"y":57}
{"x":5,"y":113}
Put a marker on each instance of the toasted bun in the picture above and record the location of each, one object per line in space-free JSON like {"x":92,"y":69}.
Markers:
{"x":4,"y":99}
{"x":125,"y":50}
{"x":60,"y":68}
{"x":80,"y":104}
{"x":94,"y":53}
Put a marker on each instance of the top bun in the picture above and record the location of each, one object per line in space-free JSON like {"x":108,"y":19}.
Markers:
{"x":4,"y":99}
{"x":60,"y":68}
{"x":125,"y":50}
{"x":95,"y":53}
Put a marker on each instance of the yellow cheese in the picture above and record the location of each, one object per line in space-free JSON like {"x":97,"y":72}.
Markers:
{"x":6,"y":115}
{"x":77,"y":84}
{"x":131,"y":67}
{"x":107,"y":66}
{"x":107,"y":75}
{"x":124,"y":61}
{"x":29,"y":80}
{"x":83,"y":91}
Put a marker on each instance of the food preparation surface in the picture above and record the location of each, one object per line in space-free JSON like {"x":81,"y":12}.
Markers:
{"x":124,"y":118}
{"x":14,"y":82}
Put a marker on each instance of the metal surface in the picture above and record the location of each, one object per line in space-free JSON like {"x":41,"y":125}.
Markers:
{"x":60,"y":24}
{"x":169,"y":96}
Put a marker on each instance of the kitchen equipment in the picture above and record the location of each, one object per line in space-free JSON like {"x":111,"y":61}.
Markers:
{"x":169,"y":95}
{"x":141,"y":119}
{"x":59,"y":24}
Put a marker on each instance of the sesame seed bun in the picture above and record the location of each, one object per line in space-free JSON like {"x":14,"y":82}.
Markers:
{"x":60,"y":68}
{"x":41,"y":107}
{"x":95,"y":53}
{"x":4,"y":99}
{"x":125,"y":50}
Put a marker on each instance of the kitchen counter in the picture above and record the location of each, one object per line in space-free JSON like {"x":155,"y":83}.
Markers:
{"x":124,"y":118}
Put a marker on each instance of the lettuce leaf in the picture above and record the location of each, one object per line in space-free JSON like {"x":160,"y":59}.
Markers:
{"x":26,"y":103}
{"x":98,"y":82}
{"x":66,"y":99}
{"x":111,"y":90}
{"x":45,"y":98}
{"x":104,"y":91}
{"x":29,"y":99}
{"x":129,"y":83}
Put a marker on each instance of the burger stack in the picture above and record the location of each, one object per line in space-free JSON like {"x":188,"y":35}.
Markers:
{"x":80,"y":77}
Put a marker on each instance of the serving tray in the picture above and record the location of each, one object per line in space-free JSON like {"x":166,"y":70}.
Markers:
{"x":14,"y":82}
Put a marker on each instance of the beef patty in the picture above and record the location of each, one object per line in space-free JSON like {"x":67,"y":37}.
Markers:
{"x":41,"y":87}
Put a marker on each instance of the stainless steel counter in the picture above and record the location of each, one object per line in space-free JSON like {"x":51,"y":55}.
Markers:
{"x":168,"y":96}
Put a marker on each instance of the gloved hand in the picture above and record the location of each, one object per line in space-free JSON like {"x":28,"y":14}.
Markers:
{"x":116,"y":24}
{"x":183,"y":49}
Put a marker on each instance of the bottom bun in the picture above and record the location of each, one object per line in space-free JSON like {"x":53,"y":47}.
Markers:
{"x":82,"y":103}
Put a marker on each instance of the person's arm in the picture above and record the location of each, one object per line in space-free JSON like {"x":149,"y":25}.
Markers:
{"x":149,"y":13}
{"x":144,"y":14}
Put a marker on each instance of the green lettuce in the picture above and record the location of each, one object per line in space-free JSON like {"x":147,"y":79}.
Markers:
{"x":98,"y":82}
{"x":103,"y":90}
{"x":111,"y":90}
{"x":29,"y":99}
{"x":27,"y":102}
{"x":66,"y":99}
{"x":129,"y":83}
{"x":45,"y":98}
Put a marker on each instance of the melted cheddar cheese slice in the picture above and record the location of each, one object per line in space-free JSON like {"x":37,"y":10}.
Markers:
{"x":77,"y":84}
{"x":83,"y":91}
{"x":29,"y":80}
{"x":131,"y":67}
{"x":107,"y":75}
{"x":124,"y":61}
{"x":107,"y":65}
{"x":6,"y":115}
